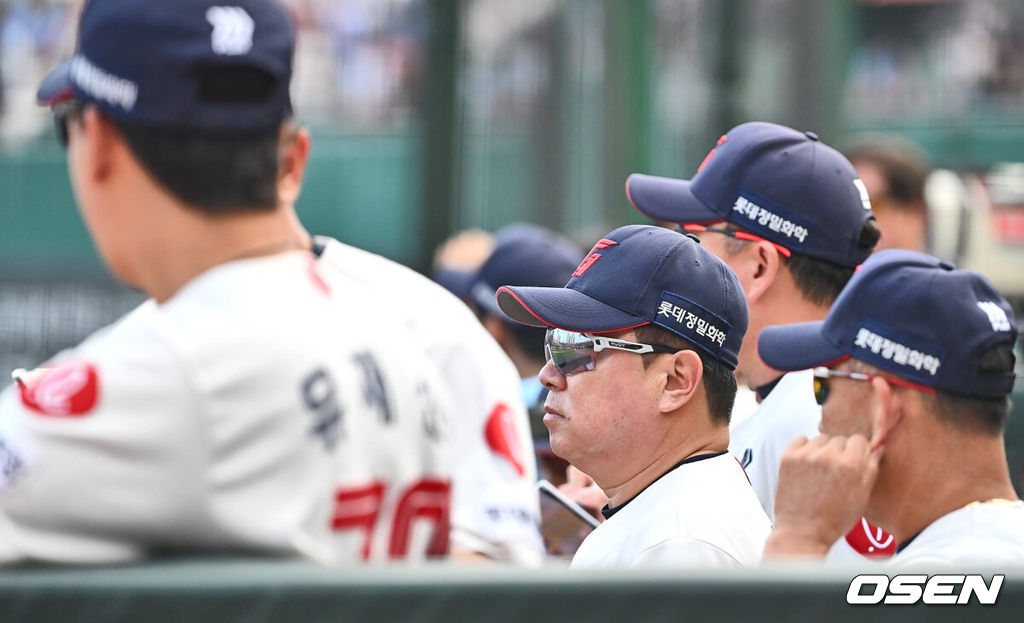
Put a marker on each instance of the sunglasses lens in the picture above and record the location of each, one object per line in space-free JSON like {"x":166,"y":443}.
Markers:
{"x":820,"y":390}
{"x":570,"y":352}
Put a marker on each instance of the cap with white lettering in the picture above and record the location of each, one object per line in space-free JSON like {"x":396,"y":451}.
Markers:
{"x":783,"y":185}
{"x":187,"y":65}
{"x":639,"y":275}
{"x":910,"y":314}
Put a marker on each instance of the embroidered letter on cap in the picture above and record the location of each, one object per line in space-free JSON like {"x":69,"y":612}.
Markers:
{"x":593,"y":256}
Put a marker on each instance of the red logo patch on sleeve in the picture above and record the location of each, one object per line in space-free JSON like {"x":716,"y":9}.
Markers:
{"x":501,"y":436}
{"x":69,"y":390}
{"x":868,"y":540}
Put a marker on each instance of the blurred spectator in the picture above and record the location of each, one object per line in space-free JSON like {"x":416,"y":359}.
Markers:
{"x":525,"y":255}
{"x":458,"y":258}
{"x":894,"y":171}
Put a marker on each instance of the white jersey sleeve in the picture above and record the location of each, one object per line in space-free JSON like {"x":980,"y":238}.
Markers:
{"x":247,"y":413}
{"x":87,"y":445}
{"x":495,"y":503}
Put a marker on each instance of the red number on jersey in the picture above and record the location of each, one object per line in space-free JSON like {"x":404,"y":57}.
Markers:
{"x":358,"y":508}
{"x":429,"y":499}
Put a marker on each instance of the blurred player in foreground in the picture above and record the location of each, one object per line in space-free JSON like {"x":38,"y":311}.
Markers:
{"x":641,"y":343}
{"x":915,"y":368}
{"x":243,"y":407}
{"x":495,"y":510}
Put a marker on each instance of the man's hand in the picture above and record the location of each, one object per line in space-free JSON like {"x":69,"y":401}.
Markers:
{"x":824,"y":486}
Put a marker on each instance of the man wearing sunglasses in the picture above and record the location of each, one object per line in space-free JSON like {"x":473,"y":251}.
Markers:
{"x":790,"y":216}
{"x":913,"y":367}
{"x":641,"y":344}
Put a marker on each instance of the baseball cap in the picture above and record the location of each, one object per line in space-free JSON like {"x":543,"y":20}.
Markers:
{"x":783,"y":185}
{"x":189,"y":65}
{"x":639,"y":275}
{"x":910,"y":314}
{"x":524,"y":255}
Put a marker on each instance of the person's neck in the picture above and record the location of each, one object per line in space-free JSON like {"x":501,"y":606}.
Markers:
{"x":660,"y":462}
{"x":932,"y":486}
{"x":190,"y":242}
{"x":782,"y":305}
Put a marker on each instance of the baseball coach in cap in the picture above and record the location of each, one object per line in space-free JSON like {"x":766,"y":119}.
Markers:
{"x":913,"y":367}
{"x":790,"y":216}
{"x":640,"y":346}
{"x":233,"y":410}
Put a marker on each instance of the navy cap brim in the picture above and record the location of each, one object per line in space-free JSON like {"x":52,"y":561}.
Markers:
{"x":797,"y":346}
{"x":563,"y":308}
{"x":667,"y":200}
{"x":56,"y":87}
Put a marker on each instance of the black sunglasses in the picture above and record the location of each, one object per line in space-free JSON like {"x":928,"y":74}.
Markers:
{"x":62,"y":113}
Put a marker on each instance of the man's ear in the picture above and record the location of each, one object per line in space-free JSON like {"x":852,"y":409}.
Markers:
{"x":684,"y":374}
{"x":763,"y":265}
{"x":293,"y":157}
{"x":885,"y":412}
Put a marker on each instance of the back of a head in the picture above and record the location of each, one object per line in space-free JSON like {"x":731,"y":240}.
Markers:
{"x":524,"y":255}
{"x":902,"y":164}
{"x":920,"y":318}
{"x":199,"y":91}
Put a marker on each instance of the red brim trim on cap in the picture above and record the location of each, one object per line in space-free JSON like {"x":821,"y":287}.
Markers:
{"x":667,"y":200}
{"x":56,"y":87}
{"x":503,"y":289}
{"x":545,"y":323}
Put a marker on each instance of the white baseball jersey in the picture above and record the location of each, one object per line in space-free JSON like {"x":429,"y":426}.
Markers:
{"x":495,"y":503}
{"x":984,"y":534}
{"x":702,"y":513}
{"x":759,"y":440}
{"x":250,"y":412}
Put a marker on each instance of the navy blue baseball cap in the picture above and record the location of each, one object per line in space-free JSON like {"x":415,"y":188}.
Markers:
{"x":910,"y":314}
{"x":524,"y":255}
{"x":639,"y":275}
{"x":783,"y":185}
{"x":188,"y":65}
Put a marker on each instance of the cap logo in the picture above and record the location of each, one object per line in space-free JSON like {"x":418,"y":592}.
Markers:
{"x":711,"y":153}
{"x":232,"y":30}
{"x":593,"y":256}
{"x":863,"y":190}
{"x":102,"y":85}
{"x":996,"y":315}
{"x":690,"y":320}
{"x":878,"y":347}
{"x":770,"y":221}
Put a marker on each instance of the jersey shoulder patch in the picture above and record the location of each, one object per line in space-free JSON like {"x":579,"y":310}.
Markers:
{"x":501,"y":436}
{"x":71,"y":389}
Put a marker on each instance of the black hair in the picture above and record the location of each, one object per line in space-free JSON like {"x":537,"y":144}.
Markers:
{"x":819,"y":281}
{"x":719,"y":380}
{"x":983,"y":415}
{"x":213,"y":173}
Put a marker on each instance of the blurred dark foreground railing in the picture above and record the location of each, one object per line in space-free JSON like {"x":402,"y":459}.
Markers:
{"x":200,"y":591}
